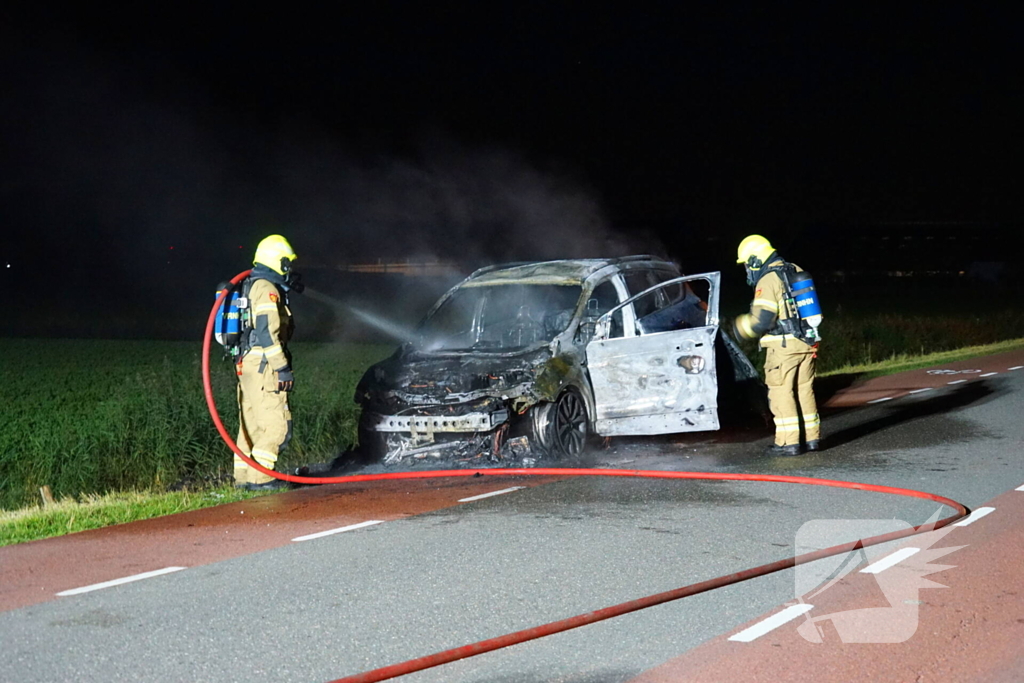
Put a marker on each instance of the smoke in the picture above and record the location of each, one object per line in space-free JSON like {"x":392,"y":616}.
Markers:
{"x":147,"y":168}
{"x":134,"y":180}
{"x":449,"y":201}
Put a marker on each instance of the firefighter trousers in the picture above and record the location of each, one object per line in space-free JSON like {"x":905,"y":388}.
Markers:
{"x":789,"y":374}
{"x":264,"y":420}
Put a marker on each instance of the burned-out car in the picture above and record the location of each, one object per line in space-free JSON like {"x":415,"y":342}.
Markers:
{"x":531,"y":359}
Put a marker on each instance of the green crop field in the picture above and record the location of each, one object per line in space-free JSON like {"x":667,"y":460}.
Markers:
{"x":96,"y":416}
{"x":88,"y":417}
{"x":914,"y":322}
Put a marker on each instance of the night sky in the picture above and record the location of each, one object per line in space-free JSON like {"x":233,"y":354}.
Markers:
{"x":488,"y":132}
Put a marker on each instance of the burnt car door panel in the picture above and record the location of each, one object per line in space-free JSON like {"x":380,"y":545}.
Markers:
{"x":662,"y":380}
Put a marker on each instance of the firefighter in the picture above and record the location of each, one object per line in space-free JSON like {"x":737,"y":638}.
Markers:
{"x":790,"y":347}
{"x":264,"y":369}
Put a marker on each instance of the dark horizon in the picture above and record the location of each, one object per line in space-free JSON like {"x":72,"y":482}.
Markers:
{"x":490,"y":134}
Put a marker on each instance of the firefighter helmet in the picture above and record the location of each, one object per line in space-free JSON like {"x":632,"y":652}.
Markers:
{"x":754,"y":251}
{"x":275,"y":253}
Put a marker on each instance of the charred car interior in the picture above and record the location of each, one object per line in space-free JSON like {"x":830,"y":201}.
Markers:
{"x":529,"y":360}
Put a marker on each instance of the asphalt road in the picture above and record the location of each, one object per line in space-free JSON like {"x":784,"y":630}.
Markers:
{"x":345,"y":603}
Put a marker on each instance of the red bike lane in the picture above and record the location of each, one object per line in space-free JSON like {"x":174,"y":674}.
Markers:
{"x":37,"y":571}
{"x":925,"y":380}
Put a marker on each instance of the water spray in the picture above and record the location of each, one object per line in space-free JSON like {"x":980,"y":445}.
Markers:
{"x":392,"y":329}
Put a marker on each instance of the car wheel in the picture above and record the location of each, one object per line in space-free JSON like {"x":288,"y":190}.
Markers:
{"x":561,"y":428}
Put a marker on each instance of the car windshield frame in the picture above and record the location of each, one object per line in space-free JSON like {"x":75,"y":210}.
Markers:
{"x":499,"y":318}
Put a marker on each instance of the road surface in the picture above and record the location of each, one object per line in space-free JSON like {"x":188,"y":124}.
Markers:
{"x":319,"y":583}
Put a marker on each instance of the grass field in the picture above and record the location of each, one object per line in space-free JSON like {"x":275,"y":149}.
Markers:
{"x":93,"y":511}
{"x":853,"y":342}
{"x":92,"y":417}
{"x":905,"y":361}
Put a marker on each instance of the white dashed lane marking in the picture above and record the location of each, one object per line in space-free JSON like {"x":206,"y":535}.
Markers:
{"x":881,"y":400}
{"x":488,"y":495}
{"x":957,"y":381}
{"x":771,"y":623}
{"x":988,"y":374}
{"x":329,"y":532}
{"x":890,"y":560}
{"x":975,"y":516}
{"x":1020,"y":488}
{"x":1016,"y":367}
{"x":921,"y":391}
{"x":118,"y":582}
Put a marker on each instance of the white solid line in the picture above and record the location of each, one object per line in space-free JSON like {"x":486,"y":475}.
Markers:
{"x":329,"y":532}
{"x":771,"y":623}
{"x":1016,"y":367}
{"x":921,"y":391}
{"x":957,"y":381}
{"x":492,"y":493}
{"x":886,"y":562}
{"x":118,"y":582}
{"x":988,"y":374}
{"x":974,"y":516}
{"x":1019,"y":488}
{"x":880,"y":400}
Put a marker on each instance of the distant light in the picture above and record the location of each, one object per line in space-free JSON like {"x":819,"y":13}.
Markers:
{"x":8,"y":265}
{"x":172,"y":247}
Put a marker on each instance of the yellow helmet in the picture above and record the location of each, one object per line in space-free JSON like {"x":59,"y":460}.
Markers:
{"x":754,"y":250}
{"x":272,"y":252}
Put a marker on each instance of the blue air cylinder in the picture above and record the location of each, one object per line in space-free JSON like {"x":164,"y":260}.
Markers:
{"x":227,"y":327}
{"x":806,"y":297}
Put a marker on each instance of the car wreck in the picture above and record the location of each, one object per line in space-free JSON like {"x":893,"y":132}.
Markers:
{"x":529,"y":360}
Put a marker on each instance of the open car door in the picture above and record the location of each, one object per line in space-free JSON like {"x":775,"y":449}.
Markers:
{"x":662,"y":380}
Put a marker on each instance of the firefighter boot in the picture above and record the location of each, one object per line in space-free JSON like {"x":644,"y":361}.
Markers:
{"x":792,"y":449}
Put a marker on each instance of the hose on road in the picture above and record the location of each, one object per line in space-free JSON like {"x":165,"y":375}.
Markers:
{"x":541,"y":631}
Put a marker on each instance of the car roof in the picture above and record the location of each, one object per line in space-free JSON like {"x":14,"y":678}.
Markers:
{"x":563,"y":272}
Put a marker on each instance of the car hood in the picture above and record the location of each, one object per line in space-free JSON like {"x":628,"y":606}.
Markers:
{"x":425,"y":378}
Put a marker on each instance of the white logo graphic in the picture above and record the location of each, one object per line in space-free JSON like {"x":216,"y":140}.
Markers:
{"x":898,"y":569}
{"x":953,"y":372}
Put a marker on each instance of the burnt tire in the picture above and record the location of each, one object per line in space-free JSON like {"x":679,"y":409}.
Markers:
{"x":560,"y":429}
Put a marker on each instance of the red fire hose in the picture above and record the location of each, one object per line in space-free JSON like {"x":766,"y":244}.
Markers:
{"x":483,"y":646}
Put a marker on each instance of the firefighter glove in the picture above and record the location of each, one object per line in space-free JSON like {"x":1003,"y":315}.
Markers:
{"x":285,"y":380}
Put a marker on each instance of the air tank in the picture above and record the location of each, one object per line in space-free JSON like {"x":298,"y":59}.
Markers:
{"x":227,"y":328}
{"x":808,"y":308}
